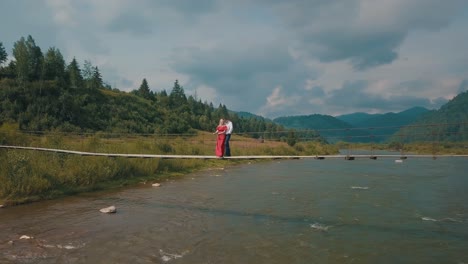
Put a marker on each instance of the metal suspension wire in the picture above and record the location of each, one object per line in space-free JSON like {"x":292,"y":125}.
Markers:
{"x":277,"y":135}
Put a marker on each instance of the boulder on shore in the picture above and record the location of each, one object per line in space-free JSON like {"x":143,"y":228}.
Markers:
{"x":108,"y":210}
{"x":156,"y":185}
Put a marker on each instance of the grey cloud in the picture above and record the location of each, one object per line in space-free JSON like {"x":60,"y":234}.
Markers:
{"x":438,"y":102}
{"x":134,"y":23}
{"x":190,"y":6}
{"x":38,"y":23}
{"x":93,"y":44}
{"x":463,"y":86}
{"x":244,"y":76}
{"x":125,"y":83}
{"x":412,"y":86}
{"x":224,"y":67}
{"x":328,"y":30}
{"x":317,"y":91}
{"x":115,"y":80}
{"x":138,"y":21}
{"x":364,"y":50}
{"x":37,"y":20}
{"x":353,"y":95}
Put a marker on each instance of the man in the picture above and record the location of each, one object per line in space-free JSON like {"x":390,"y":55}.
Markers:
{"x":228,"y":123}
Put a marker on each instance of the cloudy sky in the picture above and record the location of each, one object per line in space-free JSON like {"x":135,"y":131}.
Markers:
{"x":269,"y":57}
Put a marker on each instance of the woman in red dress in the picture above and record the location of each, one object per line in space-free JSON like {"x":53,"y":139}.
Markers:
{"x":221,"y":131}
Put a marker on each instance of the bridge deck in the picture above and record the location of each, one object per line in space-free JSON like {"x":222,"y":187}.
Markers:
{"x":82,"y":153}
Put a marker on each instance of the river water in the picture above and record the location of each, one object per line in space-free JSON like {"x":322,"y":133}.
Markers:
{"x":291,"y":211}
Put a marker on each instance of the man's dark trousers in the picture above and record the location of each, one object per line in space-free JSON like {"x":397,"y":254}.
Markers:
{"x":226,"y":142}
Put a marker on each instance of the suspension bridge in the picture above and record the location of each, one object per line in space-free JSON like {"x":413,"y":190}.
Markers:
{"x":430,"y":131}
{"x":251,"y":157}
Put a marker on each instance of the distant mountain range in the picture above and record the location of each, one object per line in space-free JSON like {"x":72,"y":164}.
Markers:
{"x":383,"y":126}
{"x":450,"y":122}
{"x":329,"y":127}
{"x":381,"y":120}
{"x":356,"y":127}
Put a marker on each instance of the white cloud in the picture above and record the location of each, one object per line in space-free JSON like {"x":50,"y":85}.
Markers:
{"x":275,"y":99}
{"x":209,"y":94}
{"x":63,"y":12}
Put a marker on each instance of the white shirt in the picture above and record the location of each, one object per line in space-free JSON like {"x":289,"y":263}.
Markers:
{"x":229,"y":127}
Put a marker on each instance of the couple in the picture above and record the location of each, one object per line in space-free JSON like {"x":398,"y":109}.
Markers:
{"x":224,"y":130}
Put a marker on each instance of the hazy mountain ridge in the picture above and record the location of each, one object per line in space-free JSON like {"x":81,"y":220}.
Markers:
{"x":355,"y":127}
{"x":328,"y":126}
{"x":365,"y":127}
{"x":388,"y":119}
{"x":356,"y":118}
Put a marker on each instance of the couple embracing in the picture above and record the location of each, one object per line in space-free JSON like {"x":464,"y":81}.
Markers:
{"x":224,"y":131}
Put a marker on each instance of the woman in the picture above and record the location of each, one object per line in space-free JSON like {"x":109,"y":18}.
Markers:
{"x":221,"y":131}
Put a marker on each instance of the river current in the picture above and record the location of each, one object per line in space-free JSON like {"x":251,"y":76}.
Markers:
{"x":287,"y":211}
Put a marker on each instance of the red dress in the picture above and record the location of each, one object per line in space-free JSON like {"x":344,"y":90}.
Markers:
{"x":220,"y":140}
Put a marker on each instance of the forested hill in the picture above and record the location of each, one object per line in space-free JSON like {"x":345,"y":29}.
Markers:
{"x":41,"y":92}
{"x":449,"y":123}
{"x":383,"y":126}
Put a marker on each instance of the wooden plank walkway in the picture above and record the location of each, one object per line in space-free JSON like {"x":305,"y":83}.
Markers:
{"x":320,"y":157}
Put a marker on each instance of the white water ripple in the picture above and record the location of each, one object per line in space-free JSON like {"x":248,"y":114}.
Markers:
{"x":446,"y":219}
{"x":169,"y":256}
{"x":428,"y":219}
{"x":360,"y":187}
{"x":320,"y":227}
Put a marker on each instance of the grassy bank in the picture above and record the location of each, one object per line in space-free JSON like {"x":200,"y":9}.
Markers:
{"x":27,"y":175}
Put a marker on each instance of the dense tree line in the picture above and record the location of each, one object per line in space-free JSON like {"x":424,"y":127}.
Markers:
{"x":42,"y":92}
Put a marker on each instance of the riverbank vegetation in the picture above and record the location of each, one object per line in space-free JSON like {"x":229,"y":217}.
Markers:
{"x":28,"y":175}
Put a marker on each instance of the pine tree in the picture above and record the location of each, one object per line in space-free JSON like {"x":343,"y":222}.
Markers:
{"x":3,"y":54}
{"x":177,"y":96}
{"x":36,"y":59}
{"x":222,"y":112}
{"x":96,"y":80}
{"x":74,"y":77}
{"x":144,"y":90}
{"x":54,"y":65}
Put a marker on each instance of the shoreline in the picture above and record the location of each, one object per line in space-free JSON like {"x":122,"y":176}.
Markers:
{"x":128,"y":183}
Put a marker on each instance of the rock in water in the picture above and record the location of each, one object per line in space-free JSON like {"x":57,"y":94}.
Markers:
{"x":108,"y":210}
{"x":156,"y":184}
